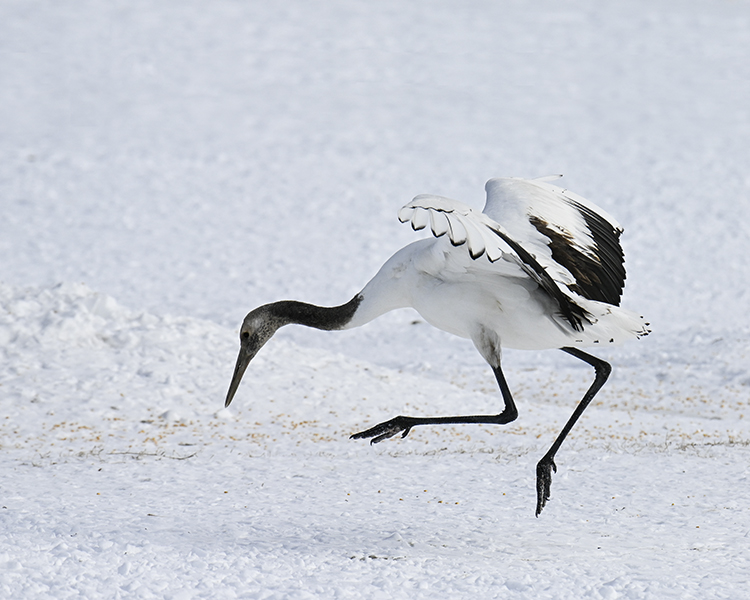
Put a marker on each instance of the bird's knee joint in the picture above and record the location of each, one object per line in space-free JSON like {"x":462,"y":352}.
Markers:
{"x":508,"y":415}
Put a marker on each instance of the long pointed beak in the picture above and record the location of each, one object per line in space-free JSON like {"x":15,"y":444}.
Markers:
{"x":243,"y":359}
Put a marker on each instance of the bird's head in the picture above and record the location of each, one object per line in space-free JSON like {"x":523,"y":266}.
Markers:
{"x":257,"y":328}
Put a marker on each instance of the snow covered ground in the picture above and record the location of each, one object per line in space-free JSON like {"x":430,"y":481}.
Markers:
{"x":166,"y":167}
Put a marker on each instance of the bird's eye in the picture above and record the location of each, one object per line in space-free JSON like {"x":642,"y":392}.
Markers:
{"x":245,"y":335}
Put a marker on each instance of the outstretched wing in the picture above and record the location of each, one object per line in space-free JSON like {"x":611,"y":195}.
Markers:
{"x":483,"y":236}
{"x":573,"y":239}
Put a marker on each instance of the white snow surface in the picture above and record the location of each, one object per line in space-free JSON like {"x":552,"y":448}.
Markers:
{"x":166,"y":167}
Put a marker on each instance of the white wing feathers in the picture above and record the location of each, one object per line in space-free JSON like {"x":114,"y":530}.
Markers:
{"x":462,"y":224}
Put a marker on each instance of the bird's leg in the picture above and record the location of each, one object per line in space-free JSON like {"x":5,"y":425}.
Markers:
{"x":404,"y":424}
{"x":545,"y":466}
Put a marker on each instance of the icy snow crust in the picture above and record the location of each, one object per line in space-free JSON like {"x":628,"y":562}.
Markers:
{"x":164,"y":168}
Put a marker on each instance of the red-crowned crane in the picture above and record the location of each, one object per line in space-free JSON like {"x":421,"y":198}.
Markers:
{"x":539,"y":268}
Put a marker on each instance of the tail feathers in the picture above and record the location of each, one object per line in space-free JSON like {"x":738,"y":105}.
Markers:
{"x":612,"y":325}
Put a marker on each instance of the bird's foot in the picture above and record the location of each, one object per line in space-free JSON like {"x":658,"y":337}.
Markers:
{"x":388,"y":429}
{"x":544,"y":481}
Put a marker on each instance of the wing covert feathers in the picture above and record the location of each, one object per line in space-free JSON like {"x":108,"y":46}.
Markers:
{"x":459,"y":221}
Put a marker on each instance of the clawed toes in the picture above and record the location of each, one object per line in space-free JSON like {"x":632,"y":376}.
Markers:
{"x":383,"y":431}
{"x":543,"y":483}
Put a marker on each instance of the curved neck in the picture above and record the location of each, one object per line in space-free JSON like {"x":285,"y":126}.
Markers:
{"x":319,"y":317}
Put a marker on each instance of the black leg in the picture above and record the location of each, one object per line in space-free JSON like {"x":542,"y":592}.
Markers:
{"x":545,"y":466}
{"x":398,"y":424}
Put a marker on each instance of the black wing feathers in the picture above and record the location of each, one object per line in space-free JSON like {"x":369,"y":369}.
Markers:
{"x":600,"y":277}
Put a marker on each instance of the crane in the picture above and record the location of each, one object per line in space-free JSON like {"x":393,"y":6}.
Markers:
{"x":539,"y":268}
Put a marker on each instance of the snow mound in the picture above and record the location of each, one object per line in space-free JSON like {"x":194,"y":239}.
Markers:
{"x":68,"y":315}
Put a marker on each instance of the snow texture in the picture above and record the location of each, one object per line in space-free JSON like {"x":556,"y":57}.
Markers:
{"x":166,"y":167}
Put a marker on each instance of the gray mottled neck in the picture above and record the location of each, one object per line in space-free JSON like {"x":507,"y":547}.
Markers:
{"x":319,"y":317}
